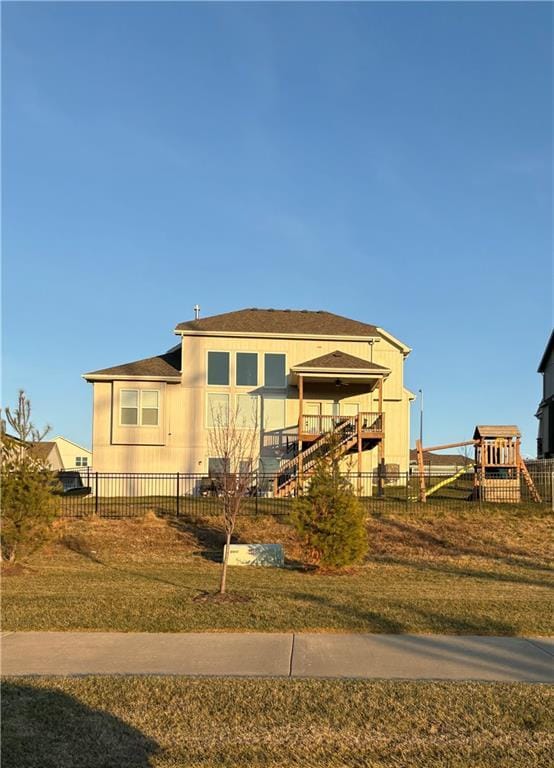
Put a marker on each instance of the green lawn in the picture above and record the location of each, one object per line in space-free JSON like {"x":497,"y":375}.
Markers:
{"x":427,"y":571}
{"x":132,"y":722}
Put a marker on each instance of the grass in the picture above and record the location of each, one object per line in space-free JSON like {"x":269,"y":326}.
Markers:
{"x":426,"y":572}
{"x":135,"y":722}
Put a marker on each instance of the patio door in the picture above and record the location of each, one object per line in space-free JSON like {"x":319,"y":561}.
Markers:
{"x":349,"y":409}
{"x":310,"y":417}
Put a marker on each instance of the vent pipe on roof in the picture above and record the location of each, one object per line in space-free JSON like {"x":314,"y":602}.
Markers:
{"x":196,"y":311}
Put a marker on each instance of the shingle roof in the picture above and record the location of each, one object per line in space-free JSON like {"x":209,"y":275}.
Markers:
{"x":42,"y":450}
{"x":441,"y":459}
{"x":340,"y":361}
{"x":166,"y":365}
{"x":284,"y":321}
{"x":499,"y":430}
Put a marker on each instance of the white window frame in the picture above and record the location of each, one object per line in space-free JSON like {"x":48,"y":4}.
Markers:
{"x":139,"y":409}
{"x":285,"y":385}
{"x":231,"y":372}
{"x":236,"y":370}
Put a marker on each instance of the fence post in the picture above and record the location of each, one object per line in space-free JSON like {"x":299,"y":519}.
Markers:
{"x":408,"y":478}
{"x":552,"y":490}
{"x":96,"y":493}
{"x":177,"y":497}
{"x":257,"y":489}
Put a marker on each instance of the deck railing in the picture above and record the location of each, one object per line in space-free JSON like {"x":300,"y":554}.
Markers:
{"x":316,"y":424}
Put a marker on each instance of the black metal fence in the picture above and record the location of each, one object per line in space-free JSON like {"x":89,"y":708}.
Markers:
{"x":119,"y":495}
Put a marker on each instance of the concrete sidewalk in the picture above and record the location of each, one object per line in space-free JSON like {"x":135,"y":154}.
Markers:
{"x":408,"y":657}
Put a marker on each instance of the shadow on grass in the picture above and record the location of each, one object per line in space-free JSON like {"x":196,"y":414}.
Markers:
{"x":433,"y":621}
{"x":48,"y":728}
{"x":463,"y":571}
{"x":376,"y":622}
{"x":500,"y":553}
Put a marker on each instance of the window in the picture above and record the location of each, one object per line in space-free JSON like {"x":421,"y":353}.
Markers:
{"x":216,"y":466}
{"x":275,"y":371}
{"x":247,"y":411}
{"x":218,"y":368}
{"x":217,"y":409}
{"x":274,"y":415}
{"x":149,"y":406}
{"x":247,"y":369}
{"x":129,"y":406}
{"x":81,"y":461}
{"x":129,"y":399}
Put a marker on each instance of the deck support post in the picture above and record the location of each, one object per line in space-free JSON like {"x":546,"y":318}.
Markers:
{"x":359,"y":446}
{"x":300,"y":418}
{"x":381,"y":446}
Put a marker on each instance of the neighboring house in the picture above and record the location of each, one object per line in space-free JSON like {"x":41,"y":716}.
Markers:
{"x":302,"y":372}
{"x":545,"y":412}
{"x":74,"y":456}
{"x":441,"y":462}
{"x":48,"y":452}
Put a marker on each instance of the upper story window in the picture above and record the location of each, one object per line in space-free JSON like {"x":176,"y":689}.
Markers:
{"x":274,"y":370}
{"x":218,"y":368}
{"x":247,"y":369}
{"x":139,"y":407}
{"x":81,"y":461}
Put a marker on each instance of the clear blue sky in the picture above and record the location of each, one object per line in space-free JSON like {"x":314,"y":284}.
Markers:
{"x":388,"y":162}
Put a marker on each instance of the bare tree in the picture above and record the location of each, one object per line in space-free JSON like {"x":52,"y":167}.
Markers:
{"x":20,"y":421}
{"x":234,"y":441}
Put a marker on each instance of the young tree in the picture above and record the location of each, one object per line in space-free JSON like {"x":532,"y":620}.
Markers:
{"x":234,"y":441}
{"x":20,"y":421}
{"x":28,"y":504}
{"x":330,"y":519}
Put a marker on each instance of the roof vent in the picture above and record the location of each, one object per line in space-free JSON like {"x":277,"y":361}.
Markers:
{"x":196,"y":311}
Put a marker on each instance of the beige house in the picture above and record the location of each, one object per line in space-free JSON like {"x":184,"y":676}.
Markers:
{"x":301,"y":373}
{"x":48,"y":452}
{"x":73,"y":456}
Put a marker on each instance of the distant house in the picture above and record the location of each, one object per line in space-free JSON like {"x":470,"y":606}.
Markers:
{"x":73,"y":456}
{"x":545,"y":412}
{"x":48,"y":452}
{"x":441,"y":462}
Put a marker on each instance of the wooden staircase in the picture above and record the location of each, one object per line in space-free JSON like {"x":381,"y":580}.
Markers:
{"x":341,"y":438}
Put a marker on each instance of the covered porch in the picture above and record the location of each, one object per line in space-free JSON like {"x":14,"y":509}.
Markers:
{"x":332,"y":390}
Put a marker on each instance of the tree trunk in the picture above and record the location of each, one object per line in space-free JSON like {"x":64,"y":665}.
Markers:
{"x":223,"y":582}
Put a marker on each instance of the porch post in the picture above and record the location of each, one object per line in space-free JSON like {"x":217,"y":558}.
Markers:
{"x":359,"y":436}
{"x":300,"y":417}
{"x":381,"y":446}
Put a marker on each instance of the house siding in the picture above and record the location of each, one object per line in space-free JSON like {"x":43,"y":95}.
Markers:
{"x":181,"y":442}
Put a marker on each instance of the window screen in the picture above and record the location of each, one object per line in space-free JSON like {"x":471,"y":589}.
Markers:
{"x":218,"y":368}
{"x":275,"y":370}
{"x":129,"y":406}
{"x":247,"y":369}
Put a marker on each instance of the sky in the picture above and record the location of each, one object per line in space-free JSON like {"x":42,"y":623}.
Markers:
{"x":389,"y":162}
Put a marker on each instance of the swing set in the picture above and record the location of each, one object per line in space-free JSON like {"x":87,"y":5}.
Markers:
{"x":497,"y":467}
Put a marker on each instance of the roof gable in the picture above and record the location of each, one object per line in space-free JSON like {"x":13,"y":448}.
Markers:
{"x":338,"y":360}
{"x":280,"y":321}
{"x":496,"y":430}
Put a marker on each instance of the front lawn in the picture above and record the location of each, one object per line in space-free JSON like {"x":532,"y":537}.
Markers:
{"x":136,"y":722}
{"x":430,"y":572}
